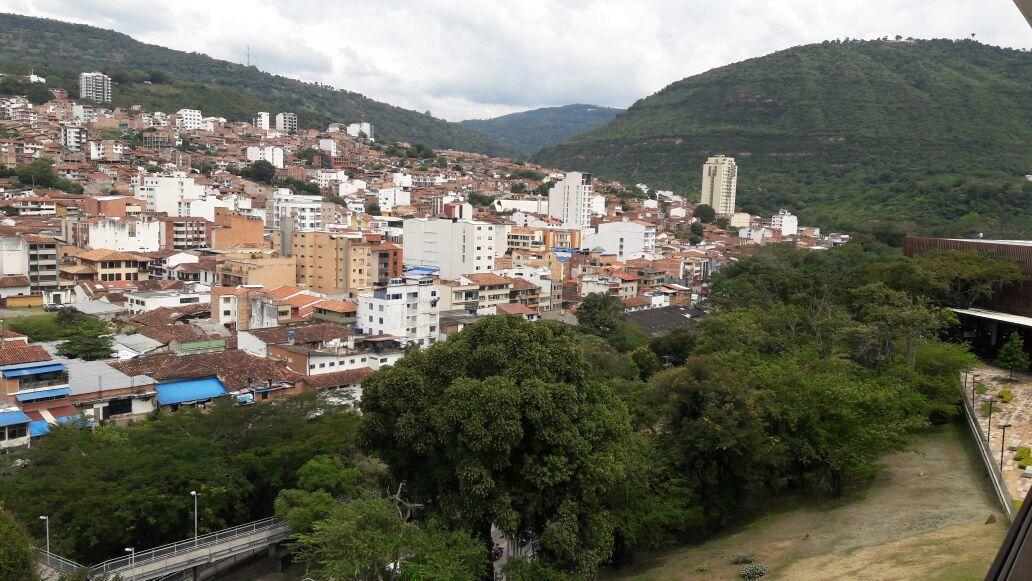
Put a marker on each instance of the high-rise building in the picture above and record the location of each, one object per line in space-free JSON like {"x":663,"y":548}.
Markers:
{"x":719,"y":183}
{"x":407,"y":308}
{"x":95,"y":87}
{"x":261,"y":120}
{"x":454,"y":247}
{"x":570,"y":200}
{"x":286,"y":122}
{"x":343,"y":263}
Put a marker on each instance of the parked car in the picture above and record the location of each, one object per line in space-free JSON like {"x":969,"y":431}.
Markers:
{"x":51,"y":307}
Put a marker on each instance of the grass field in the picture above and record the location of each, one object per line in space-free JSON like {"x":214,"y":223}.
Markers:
{"x":923,"y":517}
{"x":41,"y":327}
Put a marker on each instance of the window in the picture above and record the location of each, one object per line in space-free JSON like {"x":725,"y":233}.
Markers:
{"x":227,"y":313}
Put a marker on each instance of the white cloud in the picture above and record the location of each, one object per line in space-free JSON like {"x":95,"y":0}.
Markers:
{"x":462,"y":59}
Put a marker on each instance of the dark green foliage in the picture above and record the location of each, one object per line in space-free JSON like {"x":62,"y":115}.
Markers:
{"x":59,"y":51}
{"x":500,"y":425}
{"x":17,"y":558}
{"x":40,"y":174}
{"x":600,"y":314}
{"x":705,"y":212}
{"x":259,"y":171}
{"x":89,"y":340}
{"x":527,"y":132}
{"x":115,"y":487}
{"x":44,"y":327}
{"x":1012,"y":356}
{"x":891,"y":138}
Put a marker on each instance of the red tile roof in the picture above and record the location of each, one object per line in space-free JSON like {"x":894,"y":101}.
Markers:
{"x":235,"y":369}
{"x":14,"y":355}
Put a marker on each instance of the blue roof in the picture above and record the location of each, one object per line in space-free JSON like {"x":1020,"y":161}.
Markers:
{"x":43,"y":394}
{"x":424,"y":270}
{"x":34,"y":370}
{"x":13,"y":417}
{"x":190,"y":390}
{"x":40,"y":427}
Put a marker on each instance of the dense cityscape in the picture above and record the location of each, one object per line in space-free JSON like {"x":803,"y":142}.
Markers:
{"x":276,"y":348}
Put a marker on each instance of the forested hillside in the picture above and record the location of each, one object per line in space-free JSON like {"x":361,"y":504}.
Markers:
{"x":912,"y":136}
{"x":59,"y":51}
{"x":529,"y":131}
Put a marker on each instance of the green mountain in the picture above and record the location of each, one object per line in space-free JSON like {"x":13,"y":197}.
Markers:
{"x":60,"y":51}
{"x":529,"y":131}
{"x":879,"y":136}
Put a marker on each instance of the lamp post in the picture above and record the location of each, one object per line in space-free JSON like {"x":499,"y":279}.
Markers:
{"x":194,"y":494}
{"x":132,"y":560}
{"x":974,"y":382}
{"x":46,"y":523}
{"x":1003,"y":442}
{"x":989,"y":428}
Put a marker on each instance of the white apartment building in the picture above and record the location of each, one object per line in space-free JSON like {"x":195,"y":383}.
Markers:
{"x":261,"y":120}
{"x":286,"y":122}
{"x":329,"y":146}
{"x":570,"y":200}
{"x":95,"y":87}
{"x":166,"y":192}
{"x":407,"y":308}
{"x":188,"y":119}
{"x":628,"y":240}
{"x":358,"y":130}
{"x":72,"y":137}
{"x":402,"y":180}
{"x":454,"y":247}
{"x":143,"y":301}
{"x":387,"y":198}
{"x":719,"y":184}
{"x":124,"y":235}
{"x":269,"y":153}
{"x":785,"y":222}
{"x":108,"y":150}
{"x":326,"y":178}
{"x":309,"y":212}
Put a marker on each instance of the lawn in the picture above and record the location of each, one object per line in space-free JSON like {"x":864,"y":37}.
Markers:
{"x":42,"y":327}
{"x":924,"y":517}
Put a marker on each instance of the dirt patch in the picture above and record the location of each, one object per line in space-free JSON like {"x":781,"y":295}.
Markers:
{"x":922,"y":517}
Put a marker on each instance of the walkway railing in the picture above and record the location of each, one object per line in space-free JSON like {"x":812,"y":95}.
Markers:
{"x":210,"y":541}
{"x":995,"y":475}
{"x":57,"y":562}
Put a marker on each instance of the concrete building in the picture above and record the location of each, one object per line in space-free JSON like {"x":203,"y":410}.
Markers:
{"x":343,"y":263}
{"x":387,"y":198}
{"x":183,"y":232}
{"x":268,"y":272}
{"x":233,"y":230}
{"x":329,"y":146}
{"x":361,"y":131}
{"x":95,"y":87}
{"x":570,"y":200}
{"x":166,"y":192}
{"x":121,"y":234}
{"x":189,"y":119}
{"x":72,"y":137}
{"x":406,"y":308}
{"x":273,"y":155}
{"x":785,"y":222}
{"x":719,"y":184}
{"x":454,"y":247}
{"x":309,"y":212}
{"x":143,"y":301}
{"x":628,"y":240}
{"x":286,"y":122}
{"x":261,"y":120}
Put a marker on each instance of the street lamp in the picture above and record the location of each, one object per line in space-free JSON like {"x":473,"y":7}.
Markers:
{"x":974,"y":382}
{"x":989,"y":429}
{"x":194,"y":494}
{"x":1003,"y":442}
{"x":46,"y":522}
{"x":132,"y":560}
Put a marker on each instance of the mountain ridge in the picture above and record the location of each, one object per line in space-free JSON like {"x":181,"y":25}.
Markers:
{"x":914,"y":136}
{"x":529,"y":131}
{"x":60,"y":50}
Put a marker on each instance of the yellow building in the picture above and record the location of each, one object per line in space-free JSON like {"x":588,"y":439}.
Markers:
{"x":343,"y":263}
{"x":270,"y":272}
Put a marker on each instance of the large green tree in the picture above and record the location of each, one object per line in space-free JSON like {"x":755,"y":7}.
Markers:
{"x":499,"y":425}
{"x":87,"y":339}
{"x":17,"y":558}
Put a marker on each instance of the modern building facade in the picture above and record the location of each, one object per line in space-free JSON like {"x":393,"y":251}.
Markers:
{"x":406,"y":308}
{"x":286,"y":122}
{"x":95,"y":87}
{"x":570,"y":200}
{"x":719,"y":184}
{"x":454,"y":247}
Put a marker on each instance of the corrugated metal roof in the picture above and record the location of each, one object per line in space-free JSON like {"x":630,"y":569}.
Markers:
{"x":43,"y":394}
{"x":34,"y":370}
{"x":188,"y":391}
{"x":13,"y":417}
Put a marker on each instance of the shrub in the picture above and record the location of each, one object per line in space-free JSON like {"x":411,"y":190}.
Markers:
{"x":753,"y":571}
{"x":980,"y":389}
{"x":985,"y":409}
{"x":702,"y":569}
{"x":1006,"y":396}
{"x":1023,"y":456}
{"x":742,"y":558}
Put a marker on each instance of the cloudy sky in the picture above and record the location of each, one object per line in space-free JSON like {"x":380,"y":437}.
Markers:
{"x":481,"y":58}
